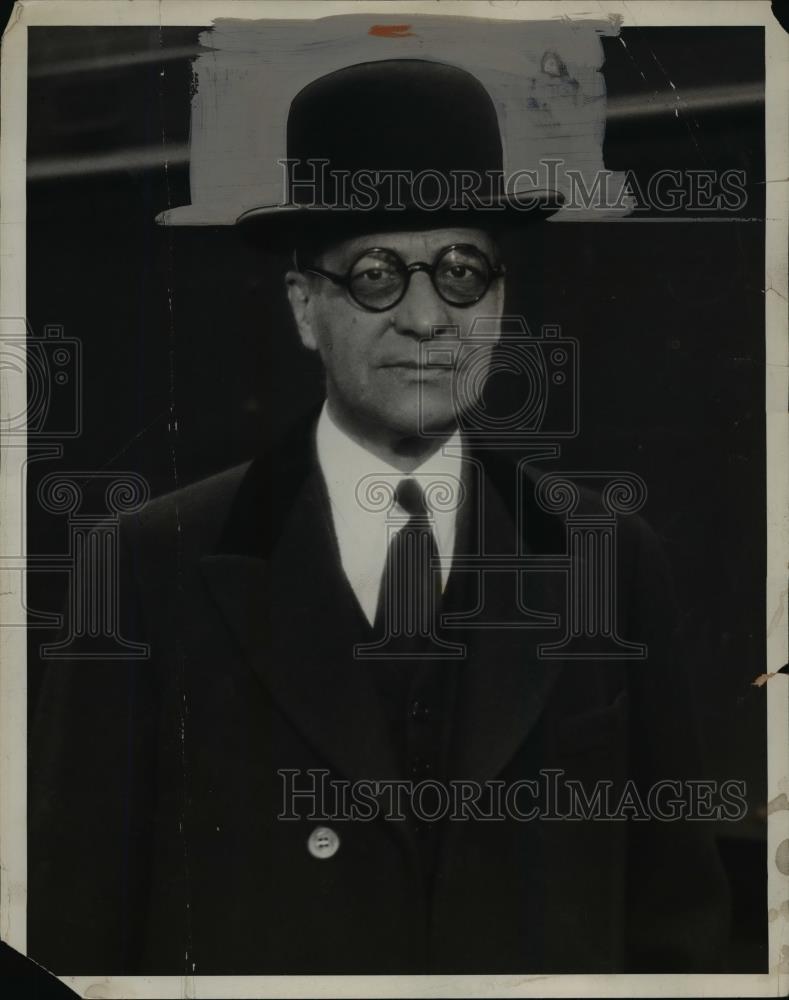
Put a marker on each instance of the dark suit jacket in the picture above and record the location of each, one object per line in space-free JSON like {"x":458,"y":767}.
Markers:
{"x":154,"y":840}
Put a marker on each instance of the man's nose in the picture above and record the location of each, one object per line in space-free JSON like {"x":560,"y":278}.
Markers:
{"x":421,"y":309}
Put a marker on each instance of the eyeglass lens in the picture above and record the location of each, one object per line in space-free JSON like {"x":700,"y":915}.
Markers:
{"x":377,"y":278}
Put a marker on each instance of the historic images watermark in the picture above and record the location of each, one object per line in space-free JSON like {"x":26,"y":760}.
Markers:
{"x":311,"y":183}
{"x":312,"y":795}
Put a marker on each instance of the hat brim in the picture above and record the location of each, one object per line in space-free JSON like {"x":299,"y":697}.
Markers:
{"x":281,"y":225}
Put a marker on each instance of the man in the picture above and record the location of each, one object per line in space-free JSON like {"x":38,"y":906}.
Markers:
{"x":317,"y":617}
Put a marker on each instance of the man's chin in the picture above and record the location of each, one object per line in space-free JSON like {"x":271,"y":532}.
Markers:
{"x":423,"y":424}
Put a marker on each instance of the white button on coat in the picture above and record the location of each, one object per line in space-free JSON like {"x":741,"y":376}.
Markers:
{"x":323,"y":842}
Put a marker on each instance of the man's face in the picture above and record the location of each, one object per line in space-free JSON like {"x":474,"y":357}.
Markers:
{"x":376,"y":381}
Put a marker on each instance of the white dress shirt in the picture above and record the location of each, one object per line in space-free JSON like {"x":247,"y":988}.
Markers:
{"x":362,"y":515}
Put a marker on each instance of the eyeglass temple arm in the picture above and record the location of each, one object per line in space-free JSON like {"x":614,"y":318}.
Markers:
{"x":338,"y":279}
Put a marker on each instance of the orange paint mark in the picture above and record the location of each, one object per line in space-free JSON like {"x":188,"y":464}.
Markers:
{"x":391,"y":31}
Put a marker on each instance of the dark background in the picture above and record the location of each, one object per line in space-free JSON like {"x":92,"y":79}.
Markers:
{"x":190,"y":363}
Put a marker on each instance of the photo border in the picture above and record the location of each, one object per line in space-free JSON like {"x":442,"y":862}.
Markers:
{"x":13,"y":654}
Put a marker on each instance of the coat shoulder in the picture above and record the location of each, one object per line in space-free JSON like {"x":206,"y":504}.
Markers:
{"x":545,"y":522}
{"x":190,"y":518}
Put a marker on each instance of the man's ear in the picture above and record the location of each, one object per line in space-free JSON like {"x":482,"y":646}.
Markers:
{"x":300,"y":298}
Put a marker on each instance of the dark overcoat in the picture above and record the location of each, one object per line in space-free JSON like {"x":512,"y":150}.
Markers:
{"x":155,"y":843}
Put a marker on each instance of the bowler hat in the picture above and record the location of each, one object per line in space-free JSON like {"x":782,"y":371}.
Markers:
{"x":397,"y":143}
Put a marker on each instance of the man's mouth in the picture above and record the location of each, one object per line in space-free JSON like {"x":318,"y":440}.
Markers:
{"x":410,"y":372}
{"x":416,"y":366}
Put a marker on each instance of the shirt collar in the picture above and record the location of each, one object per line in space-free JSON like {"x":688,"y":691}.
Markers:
{"x":360,"y":487}
{"x":345,"y":464}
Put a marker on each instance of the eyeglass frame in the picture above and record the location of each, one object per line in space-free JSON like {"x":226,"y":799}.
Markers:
{"x":344,"y":280}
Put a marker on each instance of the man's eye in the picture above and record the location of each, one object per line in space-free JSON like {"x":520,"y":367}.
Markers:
{"x":462,"y":272}
{"x":374,"y":276}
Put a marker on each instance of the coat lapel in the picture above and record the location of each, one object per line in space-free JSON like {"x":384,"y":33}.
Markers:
{"x":504,"y":685}
{"x":278,"y":582}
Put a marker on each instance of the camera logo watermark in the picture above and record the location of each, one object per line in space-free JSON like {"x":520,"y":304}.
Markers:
{"x":41,"y":381}
{"x":43,"y":372}
{"x":542,"y":373}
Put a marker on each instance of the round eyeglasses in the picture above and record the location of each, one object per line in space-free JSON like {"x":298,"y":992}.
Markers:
{"x":378,"y":278}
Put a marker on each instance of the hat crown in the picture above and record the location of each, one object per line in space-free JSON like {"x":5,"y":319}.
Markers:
{"x":390,"y":116}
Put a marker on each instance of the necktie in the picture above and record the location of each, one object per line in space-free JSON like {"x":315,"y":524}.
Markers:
{"x":407,"y":615}
{"x":411,"y":583}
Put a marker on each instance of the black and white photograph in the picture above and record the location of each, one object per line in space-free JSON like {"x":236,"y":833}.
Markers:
{"x":393,"y":463}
